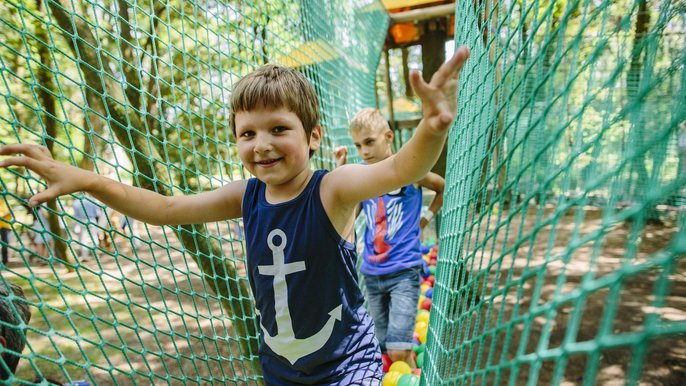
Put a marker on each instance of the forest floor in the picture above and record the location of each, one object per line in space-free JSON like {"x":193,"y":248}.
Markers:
{"x":148,"y":317}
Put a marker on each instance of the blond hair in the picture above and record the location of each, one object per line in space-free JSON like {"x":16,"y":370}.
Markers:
{"x":369,"y":118}
{"x":273,"y":86}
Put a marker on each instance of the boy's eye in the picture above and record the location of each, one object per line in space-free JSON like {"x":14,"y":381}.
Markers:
{"x":247,"y":134}
{"x":358,"y":146}
{"x":279,"y":129}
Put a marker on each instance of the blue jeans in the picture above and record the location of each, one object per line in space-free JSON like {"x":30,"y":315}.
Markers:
{"x":393,"y":302}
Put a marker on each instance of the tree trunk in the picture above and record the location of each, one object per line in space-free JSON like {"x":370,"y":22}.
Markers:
{"x":636,"y":135}
{"x":45,"y":94}
{"x":433,"y":56}
{"x":406,"y":72}
{"x":222,"y":277}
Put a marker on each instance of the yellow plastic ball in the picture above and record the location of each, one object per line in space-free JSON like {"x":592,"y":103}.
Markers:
{"x":391,"y":378}
{"x":420,"y":326}
{"x":422,"y":334}
{"x":423,"y":316}
{"x":400,"y":367}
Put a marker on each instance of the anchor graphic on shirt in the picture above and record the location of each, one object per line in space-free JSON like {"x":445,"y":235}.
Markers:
{"x":284,"y":342}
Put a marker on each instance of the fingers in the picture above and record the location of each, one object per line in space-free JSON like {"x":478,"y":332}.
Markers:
{"x":19,"y":161}
{"x":341,"y":155}
{"x":30,"y":150}
{"x":42,"y":197}
{"x":420,"y":87}
{"x":460,"y":58}
{"x":451,"y":68}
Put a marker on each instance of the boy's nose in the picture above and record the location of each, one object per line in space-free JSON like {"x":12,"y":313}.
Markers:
{"x":262,"y":144}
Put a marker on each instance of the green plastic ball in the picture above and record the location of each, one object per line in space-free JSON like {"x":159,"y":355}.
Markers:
{"x":420,"y":359}
{"x":408,"y":380}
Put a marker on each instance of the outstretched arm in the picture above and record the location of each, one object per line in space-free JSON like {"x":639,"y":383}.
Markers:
{"x":355,"y":183}
{"x":141,"y":204}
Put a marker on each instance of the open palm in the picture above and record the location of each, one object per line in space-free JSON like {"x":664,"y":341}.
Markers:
{"x":439,"y":96}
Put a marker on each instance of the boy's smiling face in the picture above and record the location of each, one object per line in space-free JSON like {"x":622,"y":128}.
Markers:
{"x":273,"y":146}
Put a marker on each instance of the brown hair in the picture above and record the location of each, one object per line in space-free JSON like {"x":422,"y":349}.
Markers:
{"x":274,"y":86}
{"x":369,"y":118}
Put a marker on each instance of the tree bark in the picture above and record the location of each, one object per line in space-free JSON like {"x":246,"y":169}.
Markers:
{"x":433,"y":56}
{"x":46,"y":94}
{"x":220,"y":276}
{"x":406,"y":72}
{"x":636,"y":135}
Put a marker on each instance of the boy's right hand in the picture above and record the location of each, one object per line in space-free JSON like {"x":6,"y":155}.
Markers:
{"x":439,"y":96}
{"x":61,"y":178}
{"x":341,"y":155}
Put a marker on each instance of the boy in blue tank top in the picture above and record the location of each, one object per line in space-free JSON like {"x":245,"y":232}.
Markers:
{"x":392,"y":247}
{"x":298,"y":223}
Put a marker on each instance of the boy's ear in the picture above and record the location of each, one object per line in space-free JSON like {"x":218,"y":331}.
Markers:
{"x":389,"y":135}
{"x":316,"y":138}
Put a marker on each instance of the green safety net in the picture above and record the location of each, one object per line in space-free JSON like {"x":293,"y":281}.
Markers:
{"x":561,"y":232}
{"x":562,"y":238}
{"x":139,"y":92}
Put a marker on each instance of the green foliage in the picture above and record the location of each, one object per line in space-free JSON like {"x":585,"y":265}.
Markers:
{"x":142,"y":92}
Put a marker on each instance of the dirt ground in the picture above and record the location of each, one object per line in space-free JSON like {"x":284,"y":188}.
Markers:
{"x":551,"y":293}
{"x":139,"y":320}
{"x":151,"y":320}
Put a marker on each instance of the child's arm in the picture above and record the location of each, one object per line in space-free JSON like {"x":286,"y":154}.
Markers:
{"x":141,"y":204}
{"x":436,"y":183}
{"x":350,"y":184}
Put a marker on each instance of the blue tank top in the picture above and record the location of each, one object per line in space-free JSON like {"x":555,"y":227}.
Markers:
{"x":391,"y":240}
{"x":314,"y":329}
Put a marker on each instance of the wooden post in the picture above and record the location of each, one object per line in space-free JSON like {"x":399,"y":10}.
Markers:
{"x":433,"y":56}
{"x":406,"y":73}
{"x":389,"y":90}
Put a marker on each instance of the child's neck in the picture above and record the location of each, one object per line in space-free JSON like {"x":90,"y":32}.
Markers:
{"x":276,"y":194}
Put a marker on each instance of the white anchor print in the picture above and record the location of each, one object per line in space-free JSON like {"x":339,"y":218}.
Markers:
{"x":284,"y":342}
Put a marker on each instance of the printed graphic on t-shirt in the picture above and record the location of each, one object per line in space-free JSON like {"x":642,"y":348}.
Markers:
{"x":284,"y":342}
{"x":387,"y":220}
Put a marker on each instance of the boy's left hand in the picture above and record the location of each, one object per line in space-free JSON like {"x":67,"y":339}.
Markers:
{"x":61,"y":178}
{"x":439,"y":96}
{"x":341,"y":155}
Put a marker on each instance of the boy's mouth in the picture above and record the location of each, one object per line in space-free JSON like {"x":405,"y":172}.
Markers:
{"x":268,"y":162}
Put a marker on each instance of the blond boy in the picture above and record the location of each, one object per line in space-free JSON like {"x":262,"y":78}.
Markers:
{"x":392,"y":264}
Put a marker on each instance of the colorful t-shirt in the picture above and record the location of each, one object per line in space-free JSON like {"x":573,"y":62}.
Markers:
{"x":391,"y":240}
{"x":302,"y":274}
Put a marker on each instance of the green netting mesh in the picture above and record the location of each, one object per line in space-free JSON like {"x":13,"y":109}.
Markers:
{"x":139,"y":91}
{"x":561,"y":244}
{"x":561,"y":236}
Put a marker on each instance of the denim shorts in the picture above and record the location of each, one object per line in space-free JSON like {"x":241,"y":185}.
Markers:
{"x":392,"y":303}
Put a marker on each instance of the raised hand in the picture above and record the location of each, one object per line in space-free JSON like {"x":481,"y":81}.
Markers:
{"x":341,"y":155}
{"x":439,"y":96}
{"x":61,"y":178}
